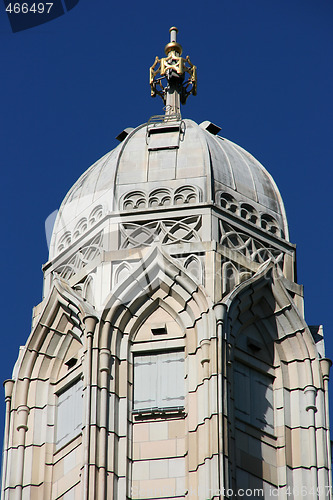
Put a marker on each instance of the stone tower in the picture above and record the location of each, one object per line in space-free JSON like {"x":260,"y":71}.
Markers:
{"x":170,"y":357}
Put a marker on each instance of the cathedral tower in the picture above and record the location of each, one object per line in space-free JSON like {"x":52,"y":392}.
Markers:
{"x":170,"y":357}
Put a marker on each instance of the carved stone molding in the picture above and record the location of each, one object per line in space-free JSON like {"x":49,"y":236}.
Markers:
{"x":120,"y":272}
{"x":248,"y":246}
{"x":81,"y":258}
{"x":166,"y":231}
{"x":248,"y":212}
{"x":80,"y":228}
{"x":160,"y":197}
{"x":193,"y":263}
{"x":232,"y":275}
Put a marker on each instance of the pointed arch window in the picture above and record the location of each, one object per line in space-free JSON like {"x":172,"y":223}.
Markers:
{"x":254,"y":378}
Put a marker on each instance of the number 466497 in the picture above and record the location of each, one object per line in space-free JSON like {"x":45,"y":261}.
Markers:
{"x":23,"y":8}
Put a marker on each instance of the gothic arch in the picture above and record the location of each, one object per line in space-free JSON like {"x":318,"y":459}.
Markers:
{"x":157,"y":282}
{"x":52,"y":354}
{"x":121,"y":273}
{"x":194,"y":266}
{"x":229,"y":277}
{"x":88,"y":288}
{"x":264,"y":301}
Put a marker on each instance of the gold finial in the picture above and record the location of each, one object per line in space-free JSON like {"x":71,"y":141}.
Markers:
{"x":173,"y":45}
{"x":173,"y":68}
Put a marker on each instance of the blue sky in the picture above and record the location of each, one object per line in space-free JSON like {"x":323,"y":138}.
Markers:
{"x":70,"y":86}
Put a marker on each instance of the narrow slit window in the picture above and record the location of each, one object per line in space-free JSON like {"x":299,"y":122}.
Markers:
{"x":159,"y":331}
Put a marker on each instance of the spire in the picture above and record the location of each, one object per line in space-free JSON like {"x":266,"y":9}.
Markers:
{"x":167,"y":76}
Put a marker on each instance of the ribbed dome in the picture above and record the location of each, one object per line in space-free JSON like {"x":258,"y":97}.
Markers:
{"x":170,"y":163}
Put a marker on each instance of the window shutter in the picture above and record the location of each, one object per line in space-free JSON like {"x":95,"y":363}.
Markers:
{"x":159,"y":381}
{"x":145,"y":382}
{"x":262,"y":402}
{"x":254,"y":397}
{"x":171,"y":380}
{"x":242,"y":392}
{"x":69,"y":413}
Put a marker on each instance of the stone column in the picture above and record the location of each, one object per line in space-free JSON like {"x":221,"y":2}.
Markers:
{"x":220,"y":313}
{"x":310,"y":398}
{"x":90,"y":323}
{"x":325,"y":365}
{"x":104,"y":368}
{"x":8,"y":385}
{"x":22,"y":413}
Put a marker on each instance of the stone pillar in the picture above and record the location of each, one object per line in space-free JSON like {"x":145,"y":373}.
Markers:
{"x":220,"y":313}
{"x":104,"y":368}
{"x":90,"y":323}
{"x":325,"y":365}
{"x":8,"y":385}
{"x":310,"y":400}
{"x":22,"y":413}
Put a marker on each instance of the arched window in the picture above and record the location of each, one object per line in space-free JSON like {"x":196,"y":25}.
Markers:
{"x":158,"y":366}
{"x":253,"y":401}
{"x":253,"y":380}
{"x":158,"y":408}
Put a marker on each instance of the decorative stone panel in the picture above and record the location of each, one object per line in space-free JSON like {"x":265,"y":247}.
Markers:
{"x":160,"y":197}
{"x":233,"y":275}
{"x":248,"y":246}
{"x":81,"y":258}
{"x":248,"y":212}
{"x":80,"y":228}
{"x":166,"y":231}
{"x":194,"y":264}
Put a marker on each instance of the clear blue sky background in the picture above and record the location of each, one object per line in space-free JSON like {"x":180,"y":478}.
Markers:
{"x":70,"y":86}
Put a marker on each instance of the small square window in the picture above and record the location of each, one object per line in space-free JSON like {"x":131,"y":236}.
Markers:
{"x":159,"y":381}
